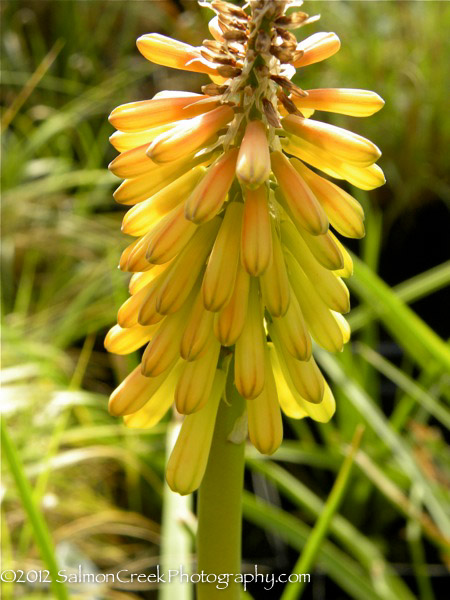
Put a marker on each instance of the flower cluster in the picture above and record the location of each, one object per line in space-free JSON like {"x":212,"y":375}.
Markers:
{"x":234,"y":261}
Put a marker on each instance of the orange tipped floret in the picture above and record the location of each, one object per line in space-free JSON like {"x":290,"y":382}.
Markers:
{"x":329,"y":287}
{"x":300,"y":200}
{"x":164,"y":347}
{"x":165,"y":51}
{"x":139,"y":219}
{"x":198,"y":330}
{"x":229,"y":322}
{"x":186,"y":268}
{"x":293,"y":332}
{"x":125,"y":341}
{"x":132,"y":163}
{"x":208,"y":197}
{"x":265,"y":427}
{"x":253,"y":163}
{"x":256,"y":239}
{"x":250,"y":349}
{"x":345,"y":213}
{"x":344,"y":145}
{"x":365,"y":178}
{"x":355,"y":103}
{"x":138,"y":189}
{"x":274,"y":281}
{"x":134,"y":391}
{"x":220,"y":275}
{"x":196,"y":380}
{"x":190,"y":135}
{"x":143,"y":114}
{"x":128,"y":140}
{"x":169,"y":236}
{"x":317,"y":47}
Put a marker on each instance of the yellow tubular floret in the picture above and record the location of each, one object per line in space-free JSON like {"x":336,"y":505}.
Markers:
{"x":344,"y":145}
{"x":128,"y":312}
{"x":198,"y":330}
{"x":345,"y":213}
{"x":320,"y":320}
{"x":220,"y":275}
{"x":304,"y":374}
{"x":355,"y":103}
{"x":124,"y":141}
{"x":253,"y":163}
{"x":274,"y":281}
{"x":132,"y":163}
{"x":347,"y":268}
{"x":229,"y":322}
{"x":164,"y":347}
{"x":317,"y":47}
{"x":189,"y":135}
{"x":158,"y":404}
{"x":291,"y":402}
{"x":329,"y":287}
{"x":138,"y":189}
{"x":124,"y":341}
{"x":210,"y":194}
{"x":188,"y":460}
{"x":250,"y":348}
{"x":265,"y":426}
{"x":256,"y":238}
{"x":140,"y":280}
{"x":297,"y":196}
{"x":134,"y":391}
{"x":292,"y":331}
{"x":165,"y":51}
{"x":169,"y":236}
{"x":186,"y":268}
{"x":133,"y":257}
{"x":196,"y":380}
{"x":323,"y":247}
{"x":147,"y":313}
{"x":365,"y":178}
{"x":144,"y":114}
{"x":139,"y":219}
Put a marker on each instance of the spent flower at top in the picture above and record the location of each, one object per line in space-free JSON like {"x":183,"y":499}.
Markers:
{"x":235,"y":260}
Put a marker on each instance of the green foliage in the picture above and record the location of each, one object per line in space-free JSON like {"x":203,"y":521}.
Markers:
{"x":100,"y":487}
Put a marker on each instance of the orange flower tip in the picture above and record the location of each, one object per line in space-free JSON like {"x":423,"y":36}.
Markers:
{"x":163,"y":50}
{"x":188,"y":136}
{"x":317,"y":47}
{"x":346,"y":101}
{"x":345,"y":145}
{"x":209,"y":195}
{"x":253,"y":163}
{"x":297,"y":197}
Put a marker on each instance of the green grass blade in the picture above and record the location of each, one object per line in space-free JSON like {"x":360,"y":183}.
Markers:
{"x":405,"y":383}
{"x":413,"y":334}
{"x":378,"y":422}
{"x":341,"y":568}
{"x":41,"y":533}
{"x":384,"y":577}
{"x":319,"y":533}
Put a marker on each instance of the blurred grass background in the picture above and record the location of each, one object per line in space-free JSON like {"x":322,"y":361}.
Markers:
{"x":100,"y":487}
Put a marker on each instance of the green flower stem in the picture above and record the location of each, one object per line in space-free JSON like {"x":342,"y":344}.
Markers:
{"x":220,"y":504}
{"x":41,"y":533}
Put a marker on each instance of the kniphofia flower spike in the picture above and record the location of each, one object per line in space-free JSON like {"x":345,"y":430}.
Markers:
{"x":233,"y":205}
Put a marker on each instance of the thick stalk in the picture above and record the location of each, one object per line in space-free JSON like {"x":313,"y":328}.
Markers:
{"x":220,"y":505}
